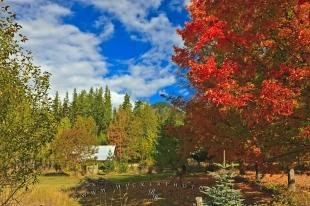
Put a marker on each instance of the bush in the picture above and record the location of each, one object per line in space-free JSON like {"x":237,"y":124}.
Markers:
{"x":122,"y":166}
{"x":223,"y":193}
{"x":107,"y":166}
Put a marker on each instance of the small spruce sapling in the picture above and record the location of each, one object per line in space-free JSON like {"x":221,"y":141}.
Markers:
{"x":223,"y":193}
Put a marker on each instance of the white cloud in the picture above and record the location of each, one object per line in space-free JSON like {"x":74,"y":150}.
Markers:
{"x":187,"y":2}
{"x":178,"y":5}
{"x":146,"y":74}
{"x":74,"y":58}
{"x":108,"y":27}
{"x":70,"y":55}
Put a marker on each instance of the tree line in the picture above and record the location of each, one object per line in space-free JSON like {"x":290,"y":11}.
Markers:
{"x":88,"y":119}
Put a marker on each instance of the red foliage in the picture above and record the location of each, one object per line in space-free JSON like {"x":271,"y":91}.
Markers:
{"x":306,"y":131}
{"x":249,"y":56}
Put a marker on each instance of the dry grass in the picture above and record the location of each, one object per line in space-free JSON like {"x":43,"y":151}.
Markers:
{"x":49,"y":192}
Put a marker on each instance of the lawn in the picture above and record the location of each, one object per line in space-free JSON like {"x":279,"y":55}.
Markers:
{"x":50,"y":191}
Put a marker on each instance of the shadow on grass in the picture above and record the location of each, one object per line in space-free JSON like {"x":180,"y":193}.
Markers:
{"x":126,"y":190}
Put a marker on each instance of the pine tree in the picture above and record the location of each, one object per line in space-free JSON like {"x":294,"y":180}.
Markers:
{"x":127,"y":104}
{"x":73,"y":110}
{"x":56,"y":107}
{"x":66,"y":106}
{"x":223,"y":193}
{"x":98,"y":109}
{"x":107,"y":108}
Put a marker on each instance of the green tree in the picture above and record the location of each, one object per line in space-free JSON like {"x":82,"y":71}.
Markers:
{"x":168,"y":146}
{"x":126,"y":105}
{"x":56,"y":107}
{"x":223,"y":193}
{"x":66,"y":106}
{"x":73,"y":109}
{"x":107,"y":107}
{"x":98,"y":109}
{"x":149,"y":139}
{"x":25,"y":121}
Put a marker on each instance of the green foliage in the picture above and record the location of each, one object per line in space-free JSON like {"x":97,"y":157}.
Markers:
{"x":223,"y":193}
{"x":93,"y":104}
{"x":56,"y":107}
{"x":167,"y":152}
{"x":66,"y":106}
{"x":126,"y":104}
{"x":26,"y":125}
{"x":135,"y":133}
{"x":122,"y":166}
{"x":107,"y":108}
{"x":108,"y":166}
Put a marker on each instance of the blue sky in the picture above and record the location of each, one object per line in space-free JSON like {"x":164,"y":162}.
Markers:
{"x":125,"y":44}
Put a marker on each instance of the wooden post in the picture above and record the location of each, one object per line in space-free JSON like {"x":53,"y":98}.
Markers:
{"x":224,"y":158}
{"x":198,"y":201}
{"x":291,"y":180}
{"x":257,"y":173}
{"x":241,"y":168}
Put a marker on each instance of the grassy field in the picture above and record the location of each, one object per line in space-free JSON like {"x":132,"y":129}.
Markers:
{"x":50,"y":189}
{"x":49,"y":192}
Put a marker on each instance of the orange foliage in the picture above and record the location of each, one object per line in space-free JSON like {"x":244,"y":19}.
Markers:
{"x":239,"y":53}
{"x":249,"y":56}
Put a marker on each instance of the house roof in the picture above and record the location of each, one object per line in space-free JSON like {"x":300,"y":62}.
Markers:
{"x":103,"y":152}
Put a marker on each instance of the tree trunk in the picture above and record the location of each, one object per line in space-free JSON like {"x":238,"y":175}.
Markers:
{"x":241,"y":168}
{"x":291,"y":180}
{"x":257,"y":173}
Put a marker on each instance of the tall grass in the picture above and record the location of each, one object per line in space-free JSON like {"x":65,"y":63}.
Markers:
{"x":50,"y":192}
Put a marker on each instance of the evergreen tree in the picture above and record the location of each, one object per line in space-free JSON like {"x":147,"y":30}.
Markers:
{"x":127,"y":104}
{"x":98,"y":109}
{"x":83,"y":104}
{"x":90,"y":103}
{"x":73,"y":110}
{"x":223,"y":193}
{"x":107,"y":108}
{"x":138,"y":108}
{"x":66,"y":106}
{"x":56,"y":107}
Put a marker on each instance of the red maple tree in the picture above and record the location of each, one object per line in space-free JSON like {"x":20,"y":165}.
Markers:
{"x":253,"y":57}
